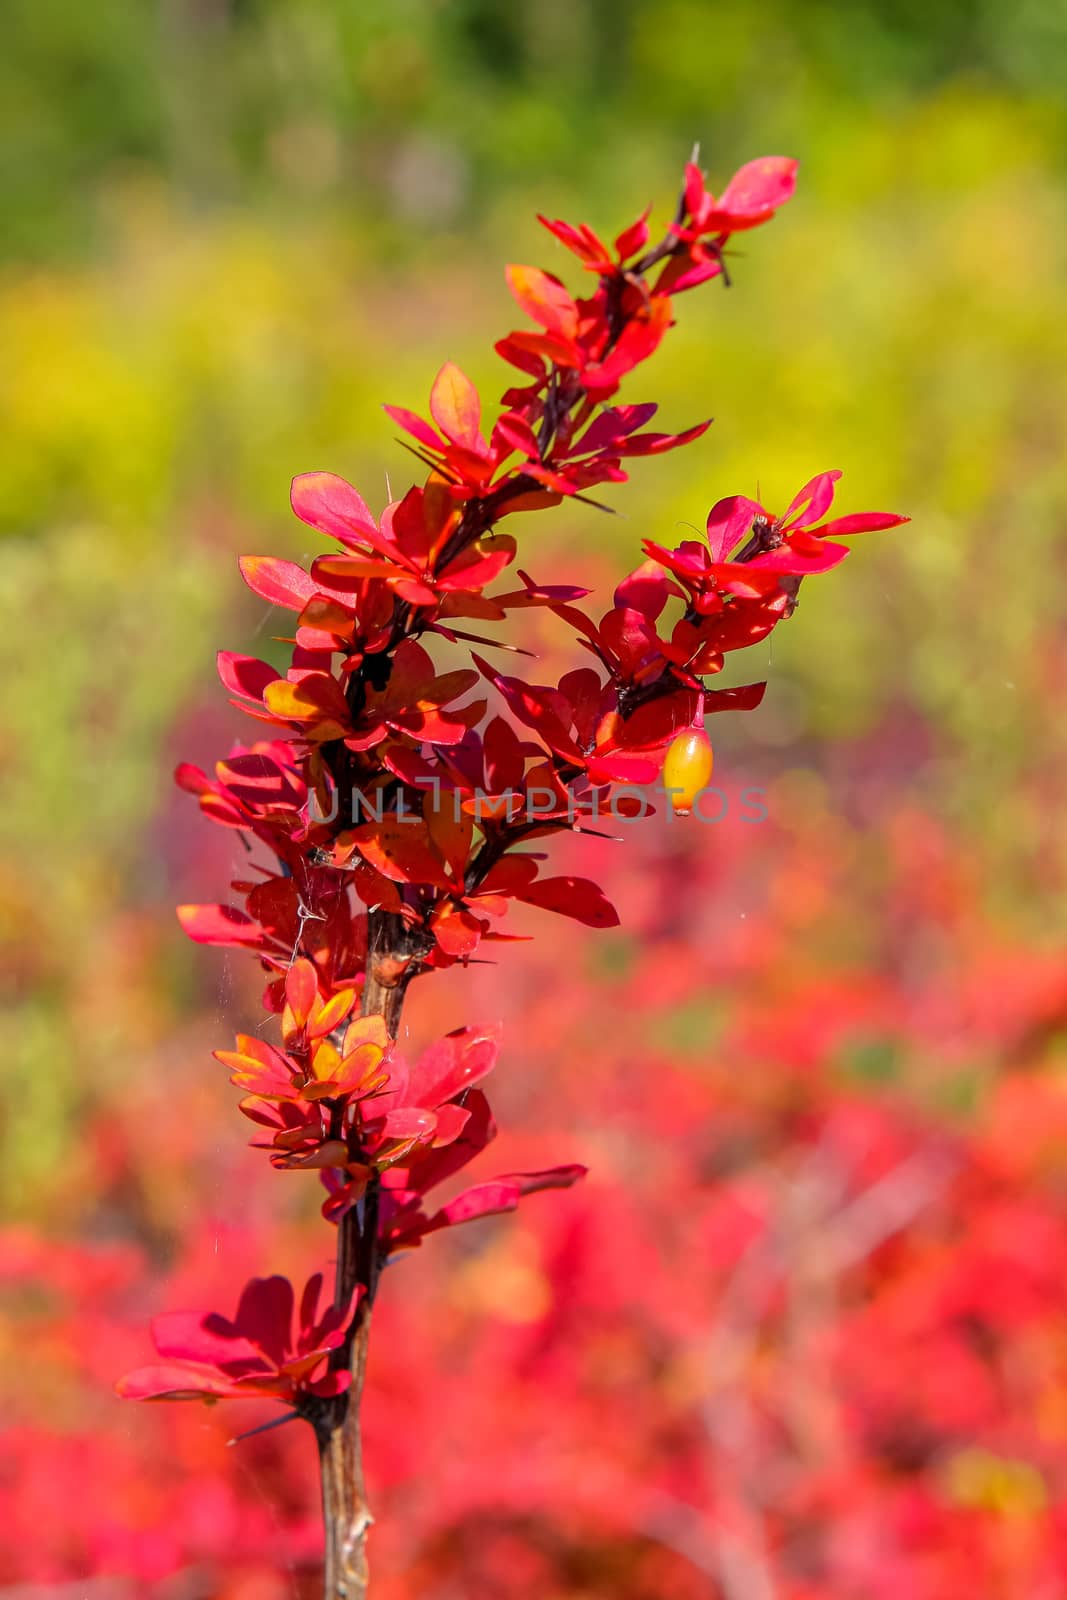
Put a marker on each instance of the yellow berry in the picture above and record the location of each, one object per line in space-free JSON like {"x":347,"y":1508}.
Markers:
{"x":687,"y":768}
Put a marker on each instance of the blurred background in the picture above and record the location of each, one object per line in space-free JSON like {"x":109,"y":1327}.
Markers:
{"x":803,"y":1331}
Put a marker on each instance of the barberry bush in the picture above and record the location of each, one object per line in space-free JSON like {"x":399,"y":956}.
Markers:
{"x":397,"y":804}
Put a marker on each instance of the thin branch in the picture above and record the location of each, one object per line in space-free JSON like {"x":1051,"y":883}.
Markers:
{"x":346,"y":1511}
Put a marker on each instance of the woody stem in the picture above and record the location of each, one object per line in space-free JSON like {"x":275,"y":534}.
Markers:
{"x":345,"y":1509}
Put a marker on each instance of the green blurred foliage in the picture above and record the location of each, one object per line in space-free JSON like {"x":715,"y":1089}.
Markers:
{"x":432,"y":109}
{"x":235,"y":227}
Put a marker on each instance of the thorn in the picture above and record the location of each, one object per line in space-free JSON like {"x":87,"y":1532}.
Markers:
{"x":264,"y":1427}
{"x":586,"y":500}
{"x":428,"y":461}
{"x":478,"y":638}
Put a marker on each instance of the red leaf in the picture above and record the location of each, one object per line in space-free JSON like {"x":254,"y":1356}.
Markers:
{"x":745,"y":698}
{"x":265,"y":1314}
{"x":694,"y":189}
{"x":166,"y":1382}
{"x":479,"y":564}
{"x":283,"y":583}
{"x":757,"y":189}
{"x":551,"y":346}
{"x":192,"y":779}
{"x":657,"y":722}
{"x":655,"y":444}
{"x":801,"y":554}
{"x":484,"y":1200}
{"x":501,"y":1195}
{"x":333,"y":1384}
{"x":505,"y":763}
{"x":627,"y":769}
{"x":326,"y":502}
{"x":532,"y":706}
{"x":579,"y":898}
{"x":244,"y":675}
{"x":515,"y":432}
{"x":633,"y":238}
{"x":419,"y":429}
{"x":550,"y":1178}
{"x":639,"y":338}
{"x":809,"y":504}
{"x":516,"y":352}
{"x":646,"y":589}
{"x":582,"y":240}
{"x":860,"y":522}
{"x":510,"y":876}
{"x":454,"y":1063}
{"x":189,"y":1336}
{"x":219,"y":925}
{"x":728,"y":522}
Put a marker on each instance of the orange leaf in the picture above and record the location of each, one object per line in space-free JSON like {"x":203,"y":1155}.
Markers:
{"x":400,"y":851}
{"x":456,"y":929}
{"x":545,"y":299}
{"x":335,"y":1010}
{"x":327,"y":616}
{"x":331,"y":1154}
{"x":301,"y":990}
{"x":455,"y":407}
{"x":366,"y":1030}
{"x":451,"y":829}
{"x":316,"y":699}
